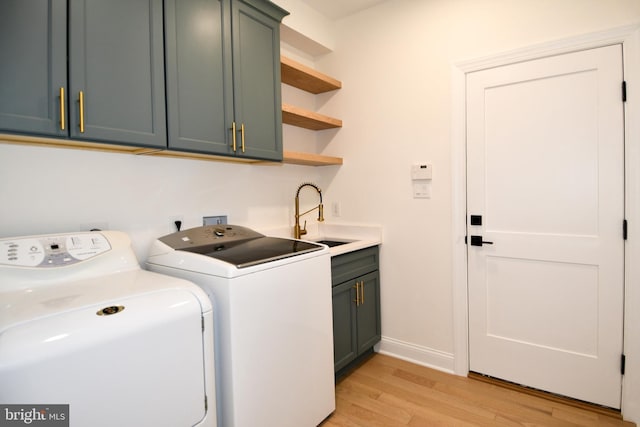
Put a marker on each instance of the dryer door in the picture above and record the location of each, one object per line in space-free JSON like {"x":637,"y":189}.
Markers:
{"x":136,"y":361}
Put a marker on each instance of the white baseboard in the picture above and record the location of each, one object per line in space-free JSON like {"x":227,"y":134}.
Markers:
{"x":417,"y":354}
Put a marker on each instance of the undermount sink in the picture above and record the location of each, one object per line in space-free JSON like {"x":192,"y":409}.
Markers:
{"x":331,"y":243}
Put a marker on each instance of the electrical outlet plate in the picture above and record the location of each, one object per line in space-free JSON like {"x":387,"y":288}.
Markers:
{"x":336,"y":209}
{"x":214,"y":220}
{"x":94,"y":225}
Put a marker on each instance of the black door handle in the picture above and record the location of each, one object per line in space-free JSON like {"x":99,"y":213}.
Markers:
{"x":477,"y":241}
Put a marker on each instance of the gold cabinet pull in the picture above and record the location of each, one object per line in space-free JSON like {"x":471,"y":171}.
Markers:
{"x":242,"y":136}
{"x":357,"y":300}
{"x":362,"y":292}
{"x":233,"y":136}
{"x":81,"y":102}
{"x":62,"y":118}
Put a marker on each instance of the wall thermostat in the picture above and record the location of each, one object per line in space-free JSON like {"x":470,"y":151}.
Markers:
{"x":423,"y":171}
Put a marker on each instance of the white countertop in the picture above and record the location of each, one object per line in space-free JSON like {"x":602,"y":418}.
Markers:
{"x":358,"y":236}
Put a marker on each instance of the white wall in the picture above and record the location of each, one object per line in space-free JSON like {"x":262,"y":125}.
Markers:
{"x":395,"y":61}
{"x":306,"y":29}
{"x":47,"y":190}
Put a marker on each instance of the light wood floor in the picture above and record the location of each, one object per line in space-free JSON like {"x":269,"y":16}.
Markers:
{"x":385,"y":391}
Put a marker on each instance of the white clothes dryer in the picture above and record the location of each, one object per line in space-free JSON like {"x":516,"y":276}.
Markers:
{"x":82,"y":324}
{"x":273,"y":321}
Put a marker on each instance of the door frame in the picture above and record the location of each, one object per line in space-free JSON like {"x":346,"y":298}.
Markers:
{"x":629,"y":38}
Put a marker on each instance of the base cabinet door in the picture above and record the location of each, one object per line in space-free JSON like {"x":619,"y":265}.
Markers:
{"x":344,"y":324}
{"x":368,"y":312}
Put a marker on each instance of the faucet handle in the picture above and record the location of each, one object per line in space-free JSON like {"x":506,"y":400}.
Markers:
{"x":303,"y":230}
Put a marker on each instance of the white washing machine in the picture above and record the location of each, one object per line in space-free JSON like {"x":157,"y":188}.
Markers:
{"x":82,"y":324}
{"x":273,"y":321}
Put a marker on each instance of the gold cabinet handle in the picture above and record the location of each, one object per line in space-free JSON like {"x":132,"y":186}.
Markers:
{"x":357,"y":300}
{"x":233,"y":136}
{"x":362,"y":292}
{"x":242,"y":136}
{"x":62,"y":118}
{"x":81,"y":102}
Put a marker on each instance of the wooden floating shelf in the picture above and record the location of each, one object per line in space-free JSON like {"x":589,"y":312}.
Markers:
{"x":298,"y":75}
{"x":302,"y":77}
{"x":308,"y":159}
{"x":300,"y":117}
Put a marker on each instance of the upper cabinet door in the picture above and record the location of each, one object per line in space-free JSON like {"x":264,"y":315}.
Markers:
{"x":33,"y":44}
{"x":116,"y":71}
{"x":199,"y":90}
{"x":256,"y":69}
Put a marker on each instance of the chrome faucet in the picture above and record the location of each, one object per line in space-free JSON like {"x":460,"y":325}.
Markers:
{"x":297,"y":230}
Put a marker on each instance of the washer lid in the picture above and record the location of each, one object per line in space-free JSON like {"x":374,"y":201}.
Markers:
{"x":237,"y":245}
{"x":138,"y":360}
{"x":37,"y":302}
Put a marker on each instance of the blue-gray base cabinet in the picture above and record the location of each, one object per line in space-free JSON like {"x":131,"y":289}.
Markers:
{"x":355,"y":281}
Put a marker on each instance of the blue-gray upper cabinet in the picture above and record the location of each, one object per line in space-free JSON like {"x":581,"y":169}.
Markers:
{"x":256,"y":84}
{"x":115,"y":59}
{"x":223,"y":77}
{"x":199,"y":91}
{"x":33,"y":45}
{"x":116,"y":72}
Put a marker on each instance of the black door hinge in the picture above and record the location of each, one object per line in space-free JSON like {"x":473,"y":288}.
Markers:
{"x":624,"y":91}
{"x":623,"y":361}
{"x":624,"y":229}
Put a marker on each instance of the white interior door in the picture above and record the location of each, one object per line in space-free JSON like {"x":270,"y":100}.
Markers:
{"x":545,"y":159}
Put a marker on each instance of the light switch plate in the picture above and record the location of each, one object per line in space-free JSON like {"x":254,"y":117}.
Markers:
{"x":422,"y":189}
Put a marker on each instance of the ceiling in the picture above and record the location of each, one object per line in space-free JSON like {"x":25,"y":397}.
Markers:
{"x":337,"y":9}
